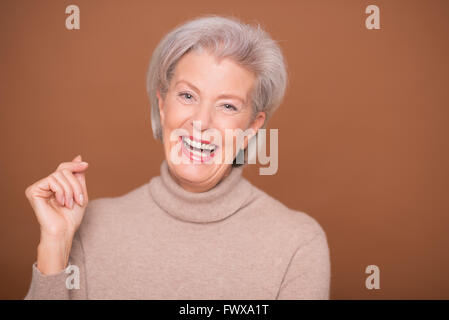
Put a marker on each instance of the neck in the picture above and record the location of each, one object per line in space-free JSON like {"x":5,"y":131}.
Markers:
{"x":197,"y":187}
{"x":221,"y":201}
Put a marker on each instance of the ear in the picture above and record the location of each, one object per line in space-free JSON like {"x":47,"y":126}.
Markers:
{"x":160,"y":105}
{"x":257,"y":123}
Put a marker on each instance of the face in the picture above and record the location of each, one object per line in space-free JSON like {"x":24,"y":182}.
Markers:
{"x":206,"y":101}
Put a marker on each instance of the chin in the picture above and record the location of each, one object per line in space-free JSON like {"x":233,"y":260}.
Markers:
{"x":195,"y":173}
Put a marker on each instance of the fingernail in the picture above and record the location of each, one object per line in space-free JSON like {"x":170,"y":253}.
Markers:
{"x":81,"y":199}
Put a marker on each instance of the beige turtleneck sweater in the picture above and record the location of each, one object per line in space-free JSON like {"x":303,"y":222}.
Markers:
{"x":160,"y":241}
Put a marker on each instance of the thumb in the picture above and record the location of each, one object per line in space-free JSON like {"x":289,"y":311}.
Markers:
{"x":77,"y":158}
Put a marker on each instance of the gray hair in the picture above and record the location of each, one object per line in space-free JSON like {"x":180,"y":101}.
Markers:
{"x":247,"y":45}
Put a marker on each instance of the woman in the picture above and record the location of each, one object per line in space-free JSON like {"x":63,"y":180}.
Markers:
{"x":199,"y":230}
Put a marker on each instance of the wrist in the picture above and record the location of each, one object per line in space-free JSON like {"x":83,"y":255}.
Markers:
{"x":52,"y":255}
{"x":53,"y":241}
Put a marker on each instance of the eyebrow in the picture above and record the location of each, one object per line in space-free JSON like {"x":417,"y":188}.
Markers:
{"x":222,"y":96}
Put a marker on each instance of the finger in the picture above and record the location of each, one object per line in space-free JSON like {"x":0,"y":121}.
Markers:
{"x":68,"y":190}
{"x":44,"y":189}
{"x":77,"y":159}
{"x":51,"y":184}
{"x":80,"y":176}
{"x":73,"y":166}
{"x":82,"y":180}
{"x":76,"y":186}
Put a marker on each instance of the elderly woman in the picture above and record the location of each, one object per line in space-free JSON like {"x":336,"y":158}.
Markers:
{"x":199,"y":230}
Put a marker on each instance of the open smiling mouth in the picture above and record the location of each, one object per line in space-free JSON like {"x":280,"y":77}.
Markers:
{"x":198,"y":150}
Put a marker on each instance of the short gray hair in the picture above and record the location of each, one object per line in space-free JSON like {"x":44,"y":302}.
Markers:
{"x":250,"y":46}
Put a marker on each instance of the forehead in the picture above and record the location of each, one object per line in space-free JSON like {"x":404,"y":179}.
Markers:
{"x":214,"y":76}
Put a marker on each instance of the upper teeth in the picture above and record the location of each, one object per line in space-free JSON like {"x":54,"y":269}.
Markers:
{"x":199,"y":145}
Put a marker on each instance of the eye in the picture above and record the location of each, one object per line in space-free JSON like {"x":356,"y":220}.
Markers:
{"x":230,"y":107}
{"x":186,"y":96}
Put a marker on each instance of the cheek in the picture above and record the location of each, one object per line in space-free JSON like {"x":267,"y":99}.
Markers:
{"x":238,"y":122}
{"x":175,"y":116}
{"x":232,"y":123}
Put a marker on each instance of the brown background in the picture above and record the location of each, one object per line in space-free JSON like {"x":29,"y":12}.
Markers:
{"x":363,"y":129}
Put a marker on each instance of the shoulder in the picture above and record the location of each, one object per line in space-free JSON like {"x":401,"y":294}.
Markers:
{"x":107,"y":212}
{"x":132,"y":198}
{"x":295,"y":225}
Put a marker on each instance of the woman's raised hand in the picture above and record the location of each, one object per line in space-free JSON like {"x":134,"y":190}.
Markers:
{"x":59,"y":202}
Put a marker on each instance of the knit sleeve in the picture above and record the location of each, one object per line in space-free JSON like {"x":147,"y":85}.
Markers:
{"x":68,"y":284}
{"x":308,"y":274}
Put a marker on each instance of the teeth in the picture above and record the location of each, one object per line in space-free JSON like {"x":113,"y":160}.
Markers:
{"x":197,"y":153}
{"x":199,"y":145}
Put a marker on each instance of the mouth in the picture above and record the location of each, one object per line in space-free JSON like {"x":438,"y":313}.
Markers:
{"x":198,"y":150}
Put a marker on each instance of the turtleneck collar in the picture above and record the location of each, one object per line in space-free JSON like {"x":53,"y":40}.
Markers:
{"x":218,"y":203}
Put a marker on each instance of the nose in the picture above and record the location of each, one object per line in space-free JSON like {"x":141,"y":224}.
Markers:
{"x":201,"y":120}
